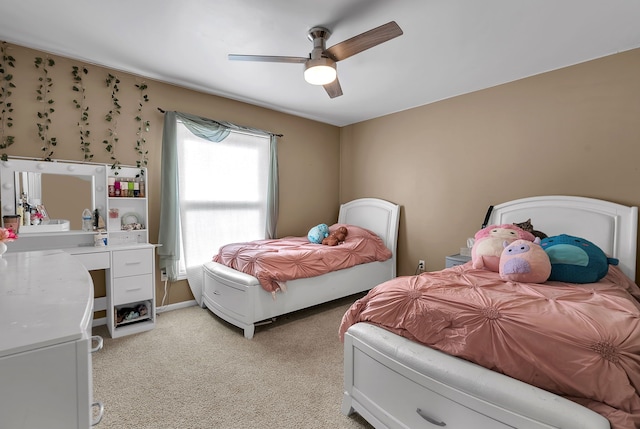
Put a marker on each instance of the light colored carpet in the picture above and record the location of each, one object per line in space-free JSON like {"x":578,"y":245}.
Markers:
{"x":195,"y":370}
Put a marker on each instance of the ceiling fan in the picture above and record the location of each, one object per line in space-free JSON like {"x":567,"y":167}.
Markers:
{"x":320,"y":66}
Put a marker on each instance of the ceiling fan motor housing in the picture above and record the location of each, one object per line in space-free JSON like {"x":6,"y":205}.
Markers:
{"x":319,"y":69}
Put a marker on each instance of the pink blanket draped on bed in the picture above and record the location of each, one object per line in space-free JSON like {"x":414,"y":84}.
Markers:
{"x":581,"y":341}
{"x":275,"y":261}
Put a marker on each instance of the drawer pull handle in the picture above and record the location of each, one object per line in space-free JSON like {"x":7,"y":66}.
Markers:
{"x":98,"y":418}
{"x":430,"y":419}
{"x":133,"y":289}
{"x":98,"y":339}
{"x":215,"y":292}
{"x":133,"y":263}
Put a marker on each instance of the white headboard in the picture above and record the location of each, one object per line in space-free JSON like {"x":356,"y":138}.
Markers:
{"x":612,"y":227}
{"x":378,"y":216}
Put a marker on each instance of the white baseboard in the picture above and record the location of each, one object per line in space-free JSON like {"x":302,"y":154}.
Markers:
{"x":176,"y":306}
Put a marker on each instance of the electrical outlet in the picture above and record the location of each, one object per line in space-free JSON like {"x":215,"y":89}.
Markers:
{"x":163,"y":275}
{"x":421,"y":265}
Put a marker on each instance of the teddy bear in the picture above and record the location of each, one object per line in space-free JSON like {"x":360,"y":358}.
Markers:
{"x":336,"y":237}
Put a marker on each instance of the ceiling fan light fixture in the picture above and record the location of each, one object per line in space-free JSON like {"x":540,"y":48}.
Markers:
{"x":320,"y":71}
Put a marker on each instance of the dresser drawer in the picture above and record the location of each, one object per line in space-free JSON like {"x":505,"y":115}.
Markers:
{"x":131,"y":289}
{"x":132,"y":262}
{"x":94,"y":261}
{"x":418,"y":406}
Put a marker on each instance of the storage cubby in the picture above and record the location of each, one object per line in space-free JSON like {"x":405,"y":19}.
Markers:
{"x":136,"y":312}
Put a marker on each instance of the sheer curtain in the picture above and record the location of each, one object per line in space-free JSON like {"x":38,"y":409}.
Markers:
{"x":219,"y":185}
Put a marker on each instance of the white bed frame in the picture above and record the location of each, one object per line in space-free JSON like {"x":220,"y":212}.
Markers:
{"x":397,"y":383}
{"x":239,"y":299}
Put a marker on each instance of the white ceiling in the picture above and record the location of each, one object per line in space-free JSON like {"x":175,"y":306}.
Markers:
{"x":449,"y":47}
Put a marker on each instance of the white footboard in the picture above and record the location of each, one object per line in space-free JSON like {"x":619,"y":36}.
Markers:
{"x":239,"y":299}
{"x":396,"y":383}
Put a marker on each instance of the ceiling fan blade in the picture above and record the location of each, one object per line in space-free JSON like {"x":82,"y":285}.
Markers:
{"x":267,"y":58}
{"x":333,"y":89}
{"x":364,"y":41}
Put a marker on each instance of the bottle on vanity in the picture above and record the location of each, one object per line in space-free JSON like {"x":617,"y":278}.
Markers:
{"x":87,"y":220}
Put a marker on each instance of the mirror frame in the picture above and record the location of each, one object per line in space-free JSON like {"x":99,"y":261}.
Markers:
{"x":9,"y":168}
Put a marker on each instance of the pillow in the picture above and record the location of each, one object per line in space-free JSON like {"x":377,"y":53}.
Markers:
{"x":318,"y":233}
{"x":488,"y":244}
{"x":575,"y":259}
{"x":524,"y":261}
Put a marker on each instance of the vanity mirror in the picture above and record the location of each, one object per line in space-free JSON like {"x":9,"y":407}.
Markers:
{"x":58,"y":190}
{"x":58,"y":198}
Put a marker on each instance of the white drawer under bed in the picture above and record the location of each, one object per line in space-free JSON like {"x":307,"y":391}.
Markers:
{"x":397,"y":383}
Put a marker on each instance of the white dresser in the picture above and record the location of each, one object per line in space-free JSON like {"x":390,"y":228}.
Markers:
{"x":129,"y":273}
{"x":46,"y":309}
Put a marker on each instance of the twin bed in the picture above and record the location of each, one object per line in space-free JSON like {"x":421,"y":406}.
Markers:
{"x":240,"y":298}
{"x":461,"y":348}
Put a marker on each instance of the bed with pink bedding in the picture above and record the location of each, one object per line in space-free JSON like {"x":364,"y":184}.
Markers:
{"x":248,"y":284}
{"x":497,"y":353}
{"x":274,"y":262}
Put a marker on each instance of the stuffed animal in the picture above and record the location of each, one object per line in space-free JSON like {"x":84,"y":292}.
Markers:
{"x":318,"y":233}
{"x":576,"y":260}
{"x":488,"y":245}
{"x":524,"y":261}
{"x":336,"y":237}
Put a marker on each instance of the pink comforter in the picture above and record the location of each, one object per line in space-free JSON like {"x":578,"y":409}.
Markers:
{"x":273,"y":262}
{"x":578,"y":341}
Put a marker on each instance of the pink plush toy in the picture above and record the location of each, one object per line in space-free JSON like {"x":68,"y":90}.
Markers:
{"x":488,"y":245}
{"x":524,"y":261}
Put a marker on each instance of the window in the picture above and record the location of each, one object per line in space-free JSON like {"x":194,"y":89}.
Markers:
{"x":223,"y":188}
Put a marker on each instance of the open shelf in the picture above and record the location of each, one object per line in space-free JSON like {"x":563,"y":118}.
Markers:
{"x":122,"y":313}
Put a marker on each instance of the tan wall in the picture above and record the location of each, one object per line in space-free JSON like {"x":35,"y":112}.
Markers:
{"x":574,"y":131}
{"x":308,"y":153}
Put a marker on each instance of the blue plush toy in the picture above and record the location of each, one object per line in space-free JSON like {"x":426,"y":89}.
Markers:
{"x":576,"y":260}
{"x":318,"y":233}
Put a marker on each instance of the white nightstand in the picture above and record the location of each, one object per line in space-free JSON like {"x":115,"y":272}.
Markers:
{"x":458,"y":259}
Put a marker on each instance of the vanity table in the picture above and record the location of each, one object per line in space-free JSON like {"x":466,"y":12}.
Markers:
{"x":46,"y":308}
{"x":66,"y":188}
